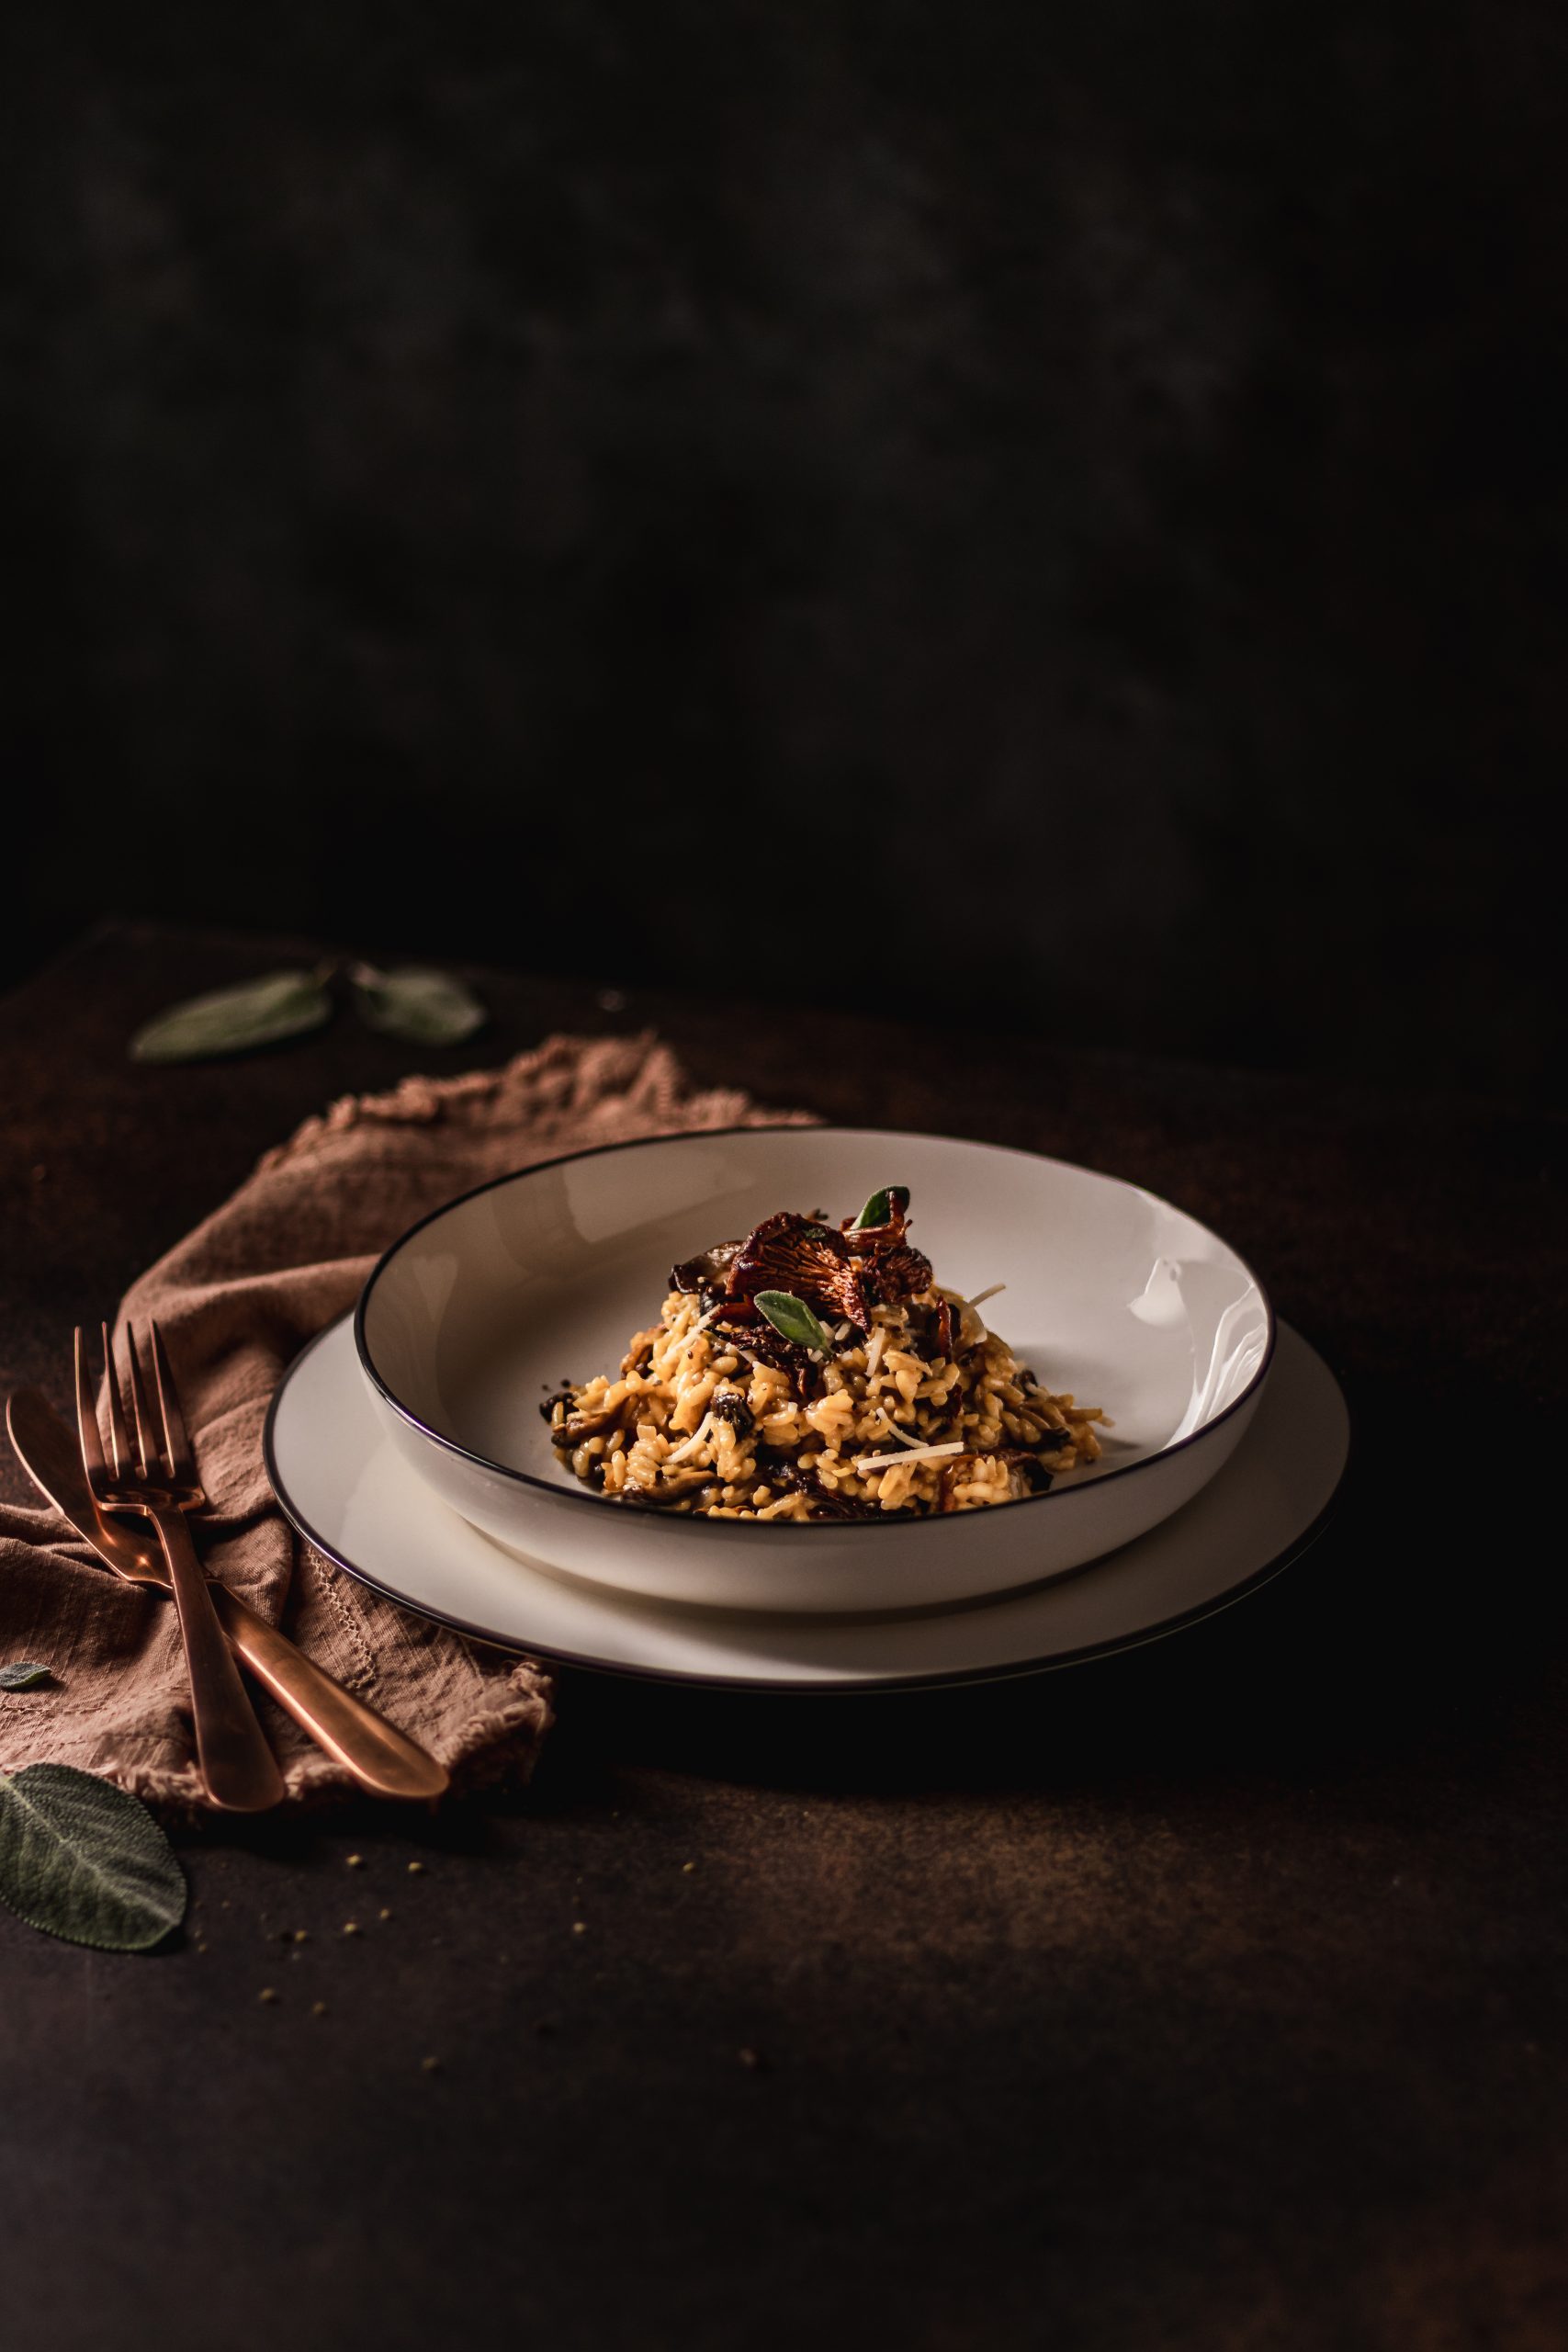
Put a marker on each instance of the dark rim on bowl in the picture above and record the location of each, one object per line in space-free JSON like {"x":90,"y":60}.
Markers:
{"x":803,"y":1529}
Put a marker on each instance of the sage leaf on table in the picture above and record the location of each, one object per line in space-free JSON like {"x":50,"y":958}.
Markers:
{"x":230,"y":1020}
{"x":878,"y":1210}
{"x":793,"y":1320}
{"x":82,"y":1861}
{"x":26,"y":1674}
{"x":423,"y":1006}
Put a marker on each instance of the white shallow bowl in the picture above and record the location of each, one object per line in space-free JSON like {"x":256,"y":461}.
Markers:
{"x":482,"y":1309}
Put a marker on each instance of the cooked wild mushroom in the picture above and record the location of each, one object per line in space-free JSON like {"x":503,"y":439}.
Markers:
{"x":811,"y":1262}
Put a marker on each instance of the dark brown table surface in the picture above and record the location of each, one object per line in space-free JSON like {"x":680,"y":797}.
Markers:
{"x":1211,"y":1995}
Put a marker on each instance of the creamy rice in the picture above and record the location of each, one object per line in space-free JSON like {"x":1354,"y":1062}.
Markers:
{"x":920,"y":1410}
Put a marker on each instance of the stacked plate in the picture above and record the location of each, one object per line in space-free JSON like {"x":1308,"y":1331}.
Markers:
{"x":407,"y":1441}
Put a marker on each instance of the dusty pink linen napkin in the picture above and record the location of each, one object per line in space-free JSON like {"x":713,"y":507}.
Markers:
{"x":236,"y":1300}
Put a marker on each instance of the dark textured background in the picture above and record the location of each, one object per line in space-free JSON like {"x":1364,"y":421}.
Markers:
{"x":1069,"y":495}
{"x":1213,"y":1999}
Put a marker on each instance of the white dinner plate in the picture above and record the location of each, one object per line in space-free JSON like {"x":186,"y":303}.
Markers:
{"x":342,"y":1482}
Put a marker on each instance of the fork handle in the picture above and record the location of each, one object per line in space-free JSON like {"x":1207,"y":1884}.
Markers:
{"x":238,"y":1769}
{"x":381,"y":1758}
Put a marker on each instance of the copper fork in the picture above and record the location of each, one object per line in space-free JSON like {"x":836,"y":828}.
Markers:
{"x":157,"y":1477}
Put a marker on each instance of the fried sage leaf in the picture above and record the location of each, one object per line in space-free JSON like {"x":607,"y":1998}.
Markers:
{"x":233,"y":1020}
{"x":82,"y":1861}
{"x":793,"y":1320}
{"x":26,"y":1674}
{"x":426,"y":1008}
{"x":892,"y":1201}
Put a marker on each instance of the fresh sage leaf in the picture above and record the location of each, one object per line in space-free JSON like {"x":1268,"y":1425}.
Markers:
{"x":793,"y":1320}
{"x":24,"y":1675}
{"x":81,"y":1860}
{"x":426,"y":1008}
{"x":230,"y":1020}
{"x":879,"y":1209}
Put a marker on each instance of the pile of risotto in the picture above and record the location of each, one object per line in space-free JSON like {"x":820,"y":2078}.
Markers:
{"x":815,"y":1372}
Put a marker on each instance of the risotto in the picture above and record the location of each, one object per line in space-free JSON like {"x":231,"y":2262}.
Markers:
{"x":815,"y":1372}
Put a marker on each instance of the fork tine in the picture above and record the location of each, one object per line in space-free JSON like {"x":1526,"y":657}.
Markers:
{"x":89,"y":1434}
{"x":176,"y":1445}
{"x":119,"y":1436}
{"x":146,"y":1428}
